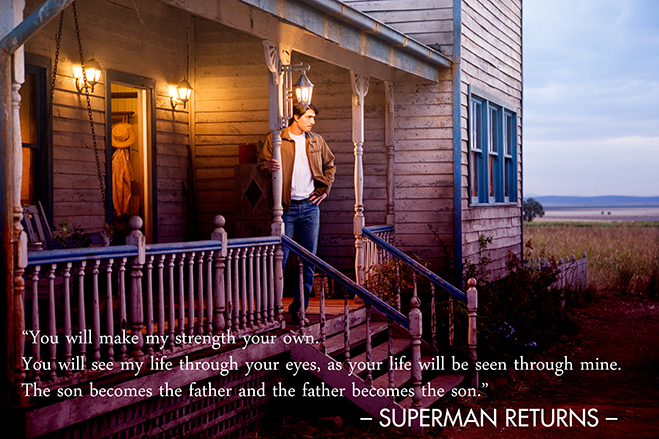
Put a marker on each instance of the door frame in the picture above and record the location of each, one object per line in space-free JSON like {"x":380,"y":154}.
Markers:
{"x":144,"y":83}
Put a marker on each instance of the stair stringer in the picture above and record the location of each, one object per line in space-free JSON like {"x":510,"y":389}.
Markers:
{"x":342,"y":379}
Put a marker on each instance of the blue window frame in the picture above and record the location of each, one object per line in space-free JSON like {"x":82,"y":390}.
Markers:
{"x":492,"y":152}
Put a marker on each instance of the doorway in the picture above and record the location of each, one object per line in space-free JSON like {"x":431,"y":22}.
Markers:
{"x":130,"y":154}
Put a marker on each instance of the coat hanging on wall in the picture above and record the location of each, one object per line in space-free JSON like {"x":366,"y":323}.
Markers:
{"x":123,"y":136}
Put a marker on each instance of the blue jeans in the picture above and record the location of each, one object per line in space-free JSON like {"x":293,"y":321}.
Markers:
{"x":303,"y":221}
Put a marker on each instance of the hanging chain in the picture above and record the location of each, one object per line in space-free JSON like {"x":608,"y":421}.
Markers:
{"x":89,"y":110}
{"x":49,"y":110}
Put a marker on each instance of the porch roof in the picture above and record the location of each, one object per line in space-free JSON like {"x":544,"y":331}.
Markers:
{"x":358,"y":32}
{"x":357,"y":41}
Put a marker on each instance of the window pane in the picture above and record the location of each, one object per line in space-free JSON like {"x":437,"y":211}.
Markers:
{"x":474,"y":174}
{"x":492,"y":175}
{"x":28,"y":110}
{"x":494,"y":130}
{"x":476,"y":126}
{"x":27,"y":186}
{"x":509,"y":138}
{"x":506,"y":179}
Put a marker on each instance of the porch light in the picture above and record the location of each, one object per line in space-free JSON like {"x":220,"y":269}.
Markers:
{"x":182,"y":94}
{"x":92,"y":74}
{"x":303,"y":89}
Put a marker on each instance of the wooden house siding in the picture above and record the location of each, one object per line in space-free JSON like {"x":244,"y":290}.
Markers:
{"x":231,"y":109}
{"x":427,"y":21}
{"x":491,"y":60}
{"x":153,"y":45}
{"x":423,"y":166}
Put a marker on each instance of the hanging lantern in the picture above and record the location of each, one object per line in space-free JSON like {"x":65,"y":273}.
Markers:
{"x":303,"y":89}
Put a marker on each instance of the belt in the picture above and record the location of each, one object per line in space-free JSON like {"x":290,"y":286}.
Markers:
{"x":300,"y":201}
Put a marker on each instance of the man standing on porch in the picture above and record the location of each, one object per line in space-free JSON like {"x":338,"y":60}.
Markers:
{"x":307,"y":175}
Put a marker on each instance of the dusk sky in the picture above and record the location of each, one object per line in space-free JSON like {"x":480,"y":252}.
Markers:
{"x":591,"y":97}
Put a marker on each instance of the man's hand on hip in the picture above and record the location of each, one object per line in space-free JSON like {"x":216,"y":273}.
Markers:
{"x":317,"y":199}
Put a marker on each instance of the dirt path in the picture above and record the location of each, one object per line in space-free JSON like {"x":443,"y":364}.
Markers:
{"x":612,"y":329}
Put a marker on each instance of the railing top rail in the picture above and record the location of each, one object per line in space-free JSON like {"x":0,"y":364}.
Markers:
{"x":415,"y":265}
{"x":79,"y":254}
{"x":380,"y":229}
{"x":369,"y":298}
{"x":247,"y":242}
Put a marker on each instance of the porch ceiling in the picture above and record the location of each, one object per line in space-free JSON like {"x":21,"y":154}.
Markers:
{"x":356,"y":40}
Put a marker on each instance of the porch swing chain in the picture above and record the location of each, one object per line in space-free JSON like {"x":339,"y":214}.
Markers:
{"x":49,"y":114}
{"x":89,"y":111}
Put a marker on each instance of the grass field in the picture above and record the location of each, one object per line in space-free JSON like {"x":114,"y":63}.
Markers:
{"x":622,"y":256}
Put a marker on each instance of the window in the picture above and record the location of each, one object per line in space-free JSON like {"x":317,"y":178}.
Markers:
{"x":492,"y":152}
{"x":36,"y":183}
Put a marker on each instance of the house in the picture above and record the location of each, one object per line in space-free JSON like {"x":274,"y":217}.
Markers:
{"x":421,"y":102}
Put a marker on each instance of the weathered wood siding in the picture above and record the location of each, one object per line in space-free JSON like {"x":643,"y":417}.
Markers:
{"x":151,"y":43}
{"x":427,"y":21}
{"x":492,"y":61}
{"x":424,"y":166}
{"x":231,"y":86}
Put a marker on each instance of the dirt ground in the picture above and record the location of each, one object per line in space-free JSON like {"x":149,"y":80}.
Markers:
{"x":624,"y":330}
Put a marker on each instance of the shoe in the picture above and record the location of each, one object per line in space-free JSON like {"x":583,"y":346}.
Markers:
{"x":295,"y":320}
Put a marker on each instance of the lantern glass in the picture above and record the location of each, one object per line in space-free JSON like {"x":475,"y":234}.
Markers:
{"x":303,"y":89}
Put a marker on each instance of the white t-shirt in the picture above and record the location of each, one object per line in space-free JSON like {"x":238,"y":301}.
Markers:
{"x":302,"y":182}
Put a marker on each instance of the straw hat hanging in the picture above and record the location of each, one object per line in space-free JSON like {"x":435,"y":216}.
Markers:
{"x":123,"y":135}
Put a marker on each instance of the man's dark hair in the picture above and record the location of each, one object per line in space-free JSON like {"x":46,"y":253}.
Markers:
{"x":299,"y":110}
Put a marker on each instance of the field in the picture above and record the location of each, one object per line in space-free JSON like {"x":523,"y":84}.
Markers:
{"x":622,"y":256}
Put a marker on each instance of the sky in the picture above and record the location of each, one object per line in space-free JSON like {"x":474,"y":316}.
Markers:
{"x":591,"y":97}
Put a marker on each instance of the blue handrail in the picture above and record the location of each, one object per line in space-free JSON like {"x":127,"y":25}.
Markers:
{"x":341,"y":278}
{"x":80,"y":254}
{"x":369,"y":233}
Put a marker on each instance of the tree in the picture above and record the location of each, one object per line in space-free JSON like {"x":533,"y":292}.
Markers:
{"x":531,"y":209}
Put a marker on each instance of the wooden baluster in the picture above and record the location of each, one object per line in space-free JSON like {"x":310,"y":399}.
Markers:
{"x":229,"y":291}
{"x":257,"y":286}
{"x":109,"y":311}
{"x":82,"y":321}
{"x":369,"y":346}
{"x":415,"y":333}
{"x":136,"y":238}
{"x":172,"y":301}
{"x":346,"y":328}
{"x":301,"y":296}
{"x":398,"y":284}
{"x":123,"y":313}
{"x":268,"y":305}
{"x":236,"y":291}
{"x":68,"y":346}
{"x":190,"y":291}
{"x":451,"y":322}
{"x":243,"y":289}
{"x":149,"y":303}
{"x":219,"y":256}
{"x":181,"y":295}
{"x":323,"y":330}
{"x":250,"y":288}
{"x":52,"y":323}
{"x":200,"y":293}
{"x":209,"y":292}
{"x":433,"y":315}
{"x":276,"y":307}
{"x":36,"y":350}
{"x":96,"y":310}
{"x":161,"y":299}
{"x":472,"y":310}
{"x":390,"y":352}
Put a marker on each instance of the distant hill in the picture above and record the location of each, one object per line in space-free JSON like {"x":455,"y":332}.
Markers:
{"x":600,"y":201}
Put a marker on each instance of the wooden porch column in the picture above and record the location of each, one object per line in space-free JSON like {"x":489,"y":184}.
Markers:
{"x":389,"y":142}
{"x":359,"y":83}
{"x":275,"y":56}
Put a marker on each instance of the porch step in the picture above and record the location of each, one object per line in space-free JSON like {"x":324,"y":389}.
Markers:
{"x":445,"y":382}
{"x":336,"y":343}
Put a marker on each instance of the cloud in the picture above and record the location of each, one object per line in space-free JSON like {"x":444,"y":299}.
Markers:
{"x":590,"y":80}
{"x":617,"y":166}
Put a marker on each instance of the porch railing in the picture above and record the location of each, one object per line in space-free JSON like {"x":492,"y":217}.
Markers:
{"x":127,"y":303}
{"x":380,"y":237}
